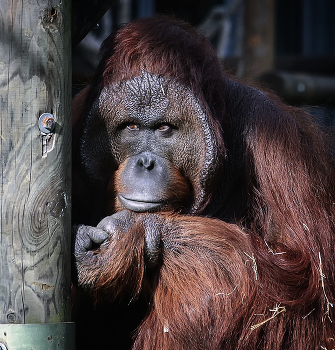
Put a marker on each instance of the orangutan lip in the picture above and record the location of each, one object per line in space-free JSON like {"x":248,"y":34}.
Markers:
{"x":139,"y":206}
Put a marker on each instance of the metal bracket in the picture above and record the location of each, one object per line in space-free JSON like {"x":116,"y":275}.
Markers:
{"x":46,"y":124}
{"x":49,"y":336}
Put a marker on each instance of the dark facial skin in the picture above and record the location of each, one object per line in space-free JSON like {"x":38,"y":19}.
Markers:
{"x":153,"y":131}
{"x":144,"y":181}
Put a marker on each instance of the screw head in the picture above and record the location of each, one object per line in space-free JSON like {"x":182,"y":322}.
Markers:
{"x":46,"y":124}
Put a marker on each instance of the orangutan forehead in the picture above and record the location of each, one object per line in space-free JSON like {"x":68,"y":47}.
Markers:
{"x":150,"y":92}
{"x":149,"y":86}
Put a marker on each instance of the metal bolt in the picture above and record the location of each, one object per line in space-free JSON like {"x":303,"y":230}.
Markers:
{"x":11,"y":317}
{"x":3,"y":346}
{"x":46,"y":123}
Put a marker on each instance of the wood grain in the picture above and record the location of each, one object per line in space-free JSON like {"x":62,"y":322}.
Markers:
{"x":35,"y":77}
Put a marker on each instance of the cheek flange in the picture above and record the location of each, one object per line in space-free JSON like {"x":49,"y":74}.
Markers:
{"x":148,"y":99}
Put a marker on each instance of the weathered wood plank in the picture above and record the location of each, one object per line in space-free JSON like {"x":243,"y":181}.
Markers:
{"x":35,"y":189}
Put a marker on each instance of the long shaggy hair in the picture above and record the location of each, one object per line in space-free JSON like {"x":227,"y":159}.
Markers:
{"x":261,"y":274}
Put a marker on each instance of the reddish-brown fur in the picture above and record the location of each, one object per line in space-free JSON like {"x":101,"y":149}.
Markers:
{"x":264,"y":282}
{"x":203,"y":278}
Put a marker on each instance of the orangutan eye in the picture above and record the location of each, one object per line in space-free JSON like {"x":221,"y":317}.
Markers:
{"x":133,"y":127}
{"x":164,"y":128}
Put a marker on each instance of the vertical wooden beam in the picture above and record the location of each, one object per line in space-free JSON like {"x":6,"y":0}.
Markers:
{"x":35,"y":172}
{"x":258,"y":45}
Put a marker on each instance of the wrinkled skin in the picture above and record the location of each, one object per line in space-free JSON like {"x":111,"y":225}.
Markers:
{"x":112,"y":228}
{"x":151,"y":122}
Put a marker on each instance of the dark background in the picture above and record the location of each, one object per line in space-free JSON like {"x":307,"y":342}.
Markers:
{"x":288,"y":46}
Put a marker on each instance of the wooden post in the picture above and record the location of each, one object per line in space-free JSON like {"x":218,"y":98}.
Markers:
{"x":258,"y":45}
{"x":35,"y":78}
